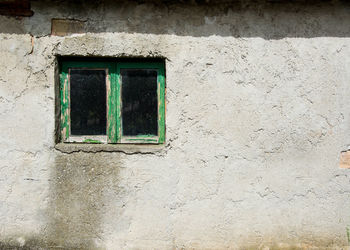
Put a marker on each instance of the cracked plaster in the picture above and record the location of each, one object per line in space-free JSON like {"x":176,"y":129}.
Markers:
{"x":257,"y":115}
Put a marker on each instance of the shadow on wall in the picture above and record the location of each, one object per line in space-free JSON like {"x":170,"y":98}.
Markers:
{"x":246,"y":18}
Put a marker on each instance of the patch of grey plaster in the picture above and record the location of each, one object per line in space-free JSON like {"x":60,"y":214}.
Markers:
{"x":78,"y":189}
{"x":22,"y":243}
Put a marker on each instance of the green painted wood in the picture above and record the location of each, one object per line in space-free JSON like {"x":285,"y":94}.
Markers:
{"x":65,"y":105}
{"x":161,"y":106}
{"x":112,"y":115}
{"x":64,"y":96}
{"x":114,"y":119}
{"x":92,"y":141}
{"x":161,"y":97}
{"x":118,"y":106}
{"x":142,"y":140}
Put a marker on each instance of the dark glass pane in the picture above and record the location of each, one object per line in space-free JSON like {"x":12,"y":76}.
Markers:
{"x":139,"y":102}
{"x":88,"y":102}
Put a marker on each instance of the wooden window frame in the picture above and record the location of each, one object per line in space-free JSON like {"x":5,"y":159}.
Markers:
{"x":113,"y":102}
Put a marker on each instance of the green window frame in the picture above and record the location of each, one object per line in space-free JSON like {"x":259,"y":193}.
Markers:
{"x":113,"y":102}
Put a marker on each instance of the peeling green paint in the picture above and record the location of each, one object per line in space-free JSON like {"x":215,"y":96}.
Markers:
{"x":143,"y":136}
{"x":161,"y":99}
{"x":142,"y":139}
{"x":64,"y":94}
{"x":114,"y":104}
{"x":118,"y":104}
{"x":112,"y":112}
{"x":92,"y":141}
{"x":161,"y":107}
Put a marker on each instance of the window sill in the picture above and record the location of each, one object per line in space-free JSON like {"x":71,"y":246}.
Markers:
{"x":129,"y":149}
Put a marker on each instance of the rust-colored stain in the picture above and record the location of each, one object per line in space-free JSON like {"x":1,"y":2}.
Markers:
{"x":345,"y":159}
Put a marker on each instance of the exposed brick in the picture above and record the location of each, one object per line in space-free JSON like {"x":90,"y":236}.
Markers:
{"x":62,"y":27}
{"x":345,"y":159}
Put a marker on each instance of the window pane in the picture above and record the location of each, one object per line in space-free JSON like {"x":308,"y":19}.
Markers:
{"x":88,"y":102}
{"x":139,"y":102}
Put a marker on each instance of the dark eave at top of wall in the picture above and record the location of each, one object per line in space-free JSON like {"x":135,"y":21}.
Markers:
{"x":21,"y":8}
{"x":211,"y":1}
{"x":15,"y":8}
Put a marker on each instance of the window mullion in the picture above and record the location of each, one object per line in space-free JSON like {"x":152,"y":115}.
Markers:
{"x":112,"y":106}
{"x":119,"y":103}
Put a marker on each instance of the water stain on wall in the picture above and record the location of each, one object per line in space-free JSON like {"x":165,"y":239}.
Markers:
{"x":78,"y":202}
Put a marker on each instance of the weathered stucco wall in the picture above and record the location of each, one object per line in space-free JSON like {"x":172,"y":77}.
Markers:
{"x":257,"y":115}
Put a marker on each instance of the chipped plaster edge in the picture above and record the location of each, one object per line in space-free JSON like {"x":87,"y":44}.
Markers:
{"x":69,"y":148}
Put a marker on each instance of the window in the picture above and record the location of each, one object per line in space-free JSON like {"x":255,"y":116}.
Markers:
{"x":112,"y":102}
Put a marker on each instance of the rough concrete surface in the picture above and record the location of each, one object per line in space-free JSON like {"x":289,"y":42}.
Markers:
{"x":257,"y":117}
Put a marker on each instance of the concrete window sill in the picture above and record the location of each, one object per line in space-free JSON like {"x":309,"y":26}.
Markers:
{"x":69,"y":148}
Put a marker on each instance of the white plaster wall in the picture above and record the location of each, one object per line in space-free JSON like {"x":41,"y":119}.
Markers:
{"x":257,"y":115}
